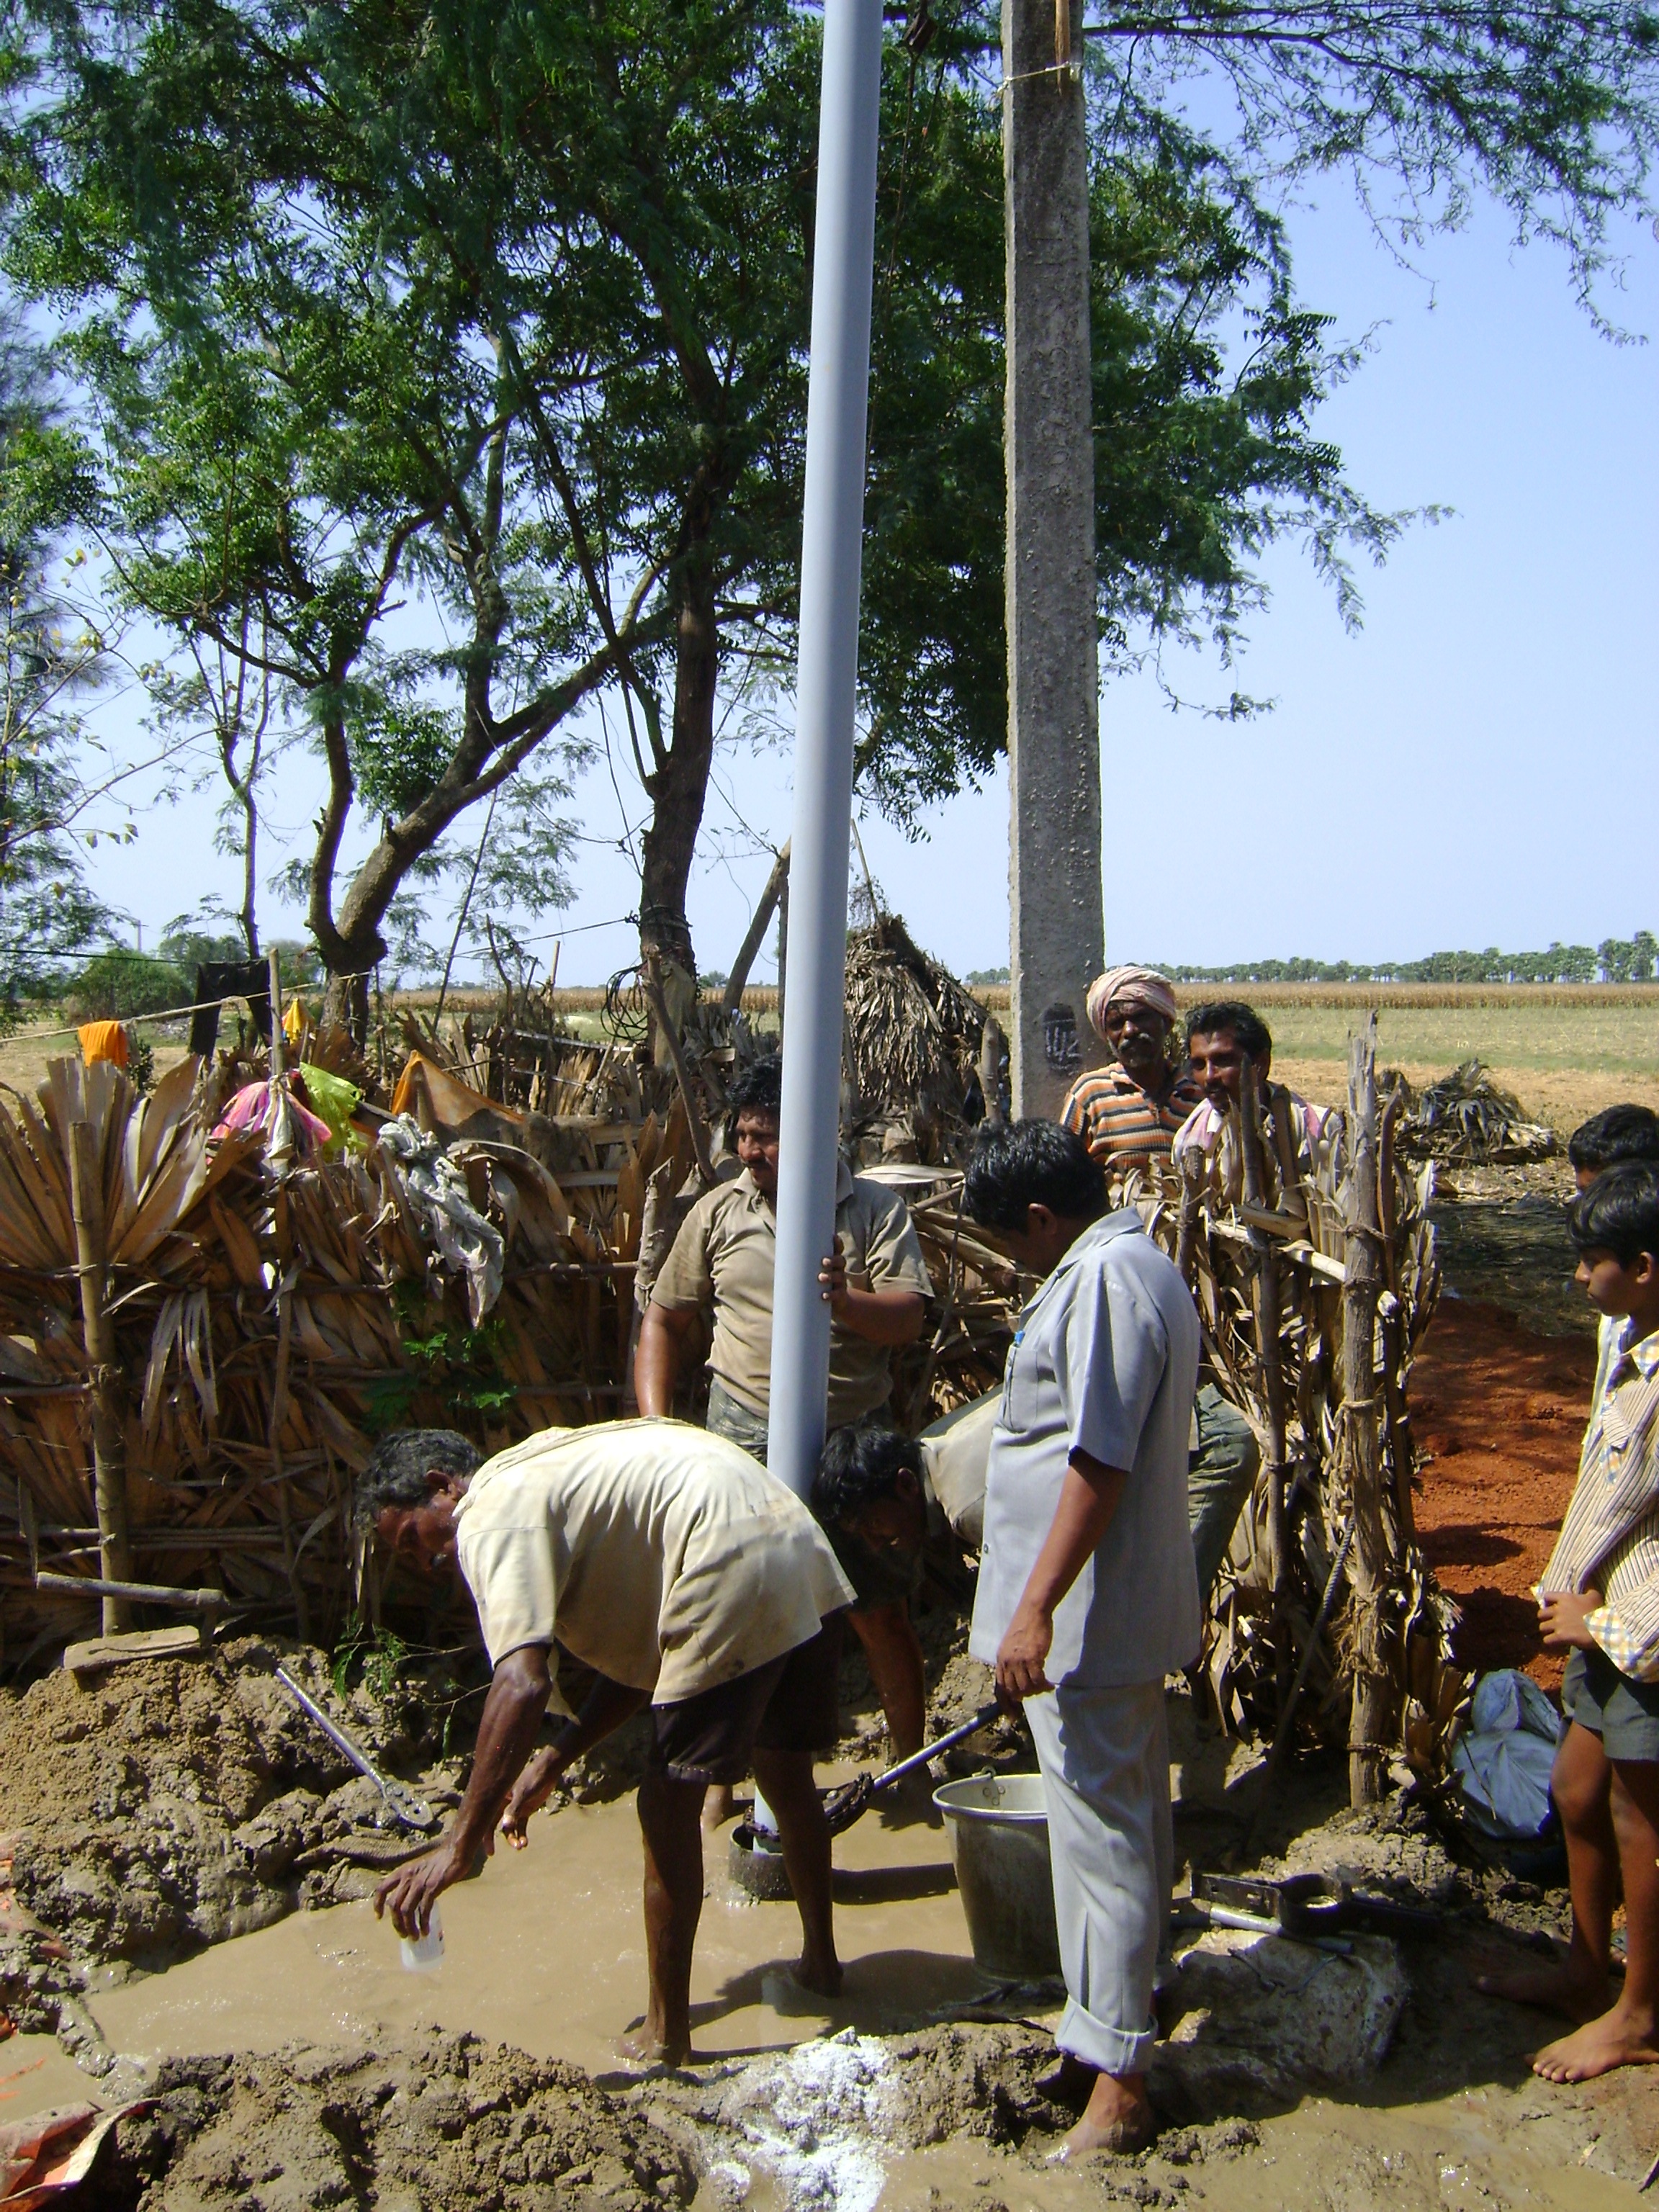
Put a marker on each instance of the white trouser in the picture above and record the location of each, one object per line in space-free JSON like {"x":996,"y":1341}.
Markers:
{"x":1105,"y":1761}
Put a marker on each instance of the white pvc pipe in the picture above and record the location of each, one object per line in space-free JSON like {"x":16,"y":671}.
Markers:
{"x":826,"y":683}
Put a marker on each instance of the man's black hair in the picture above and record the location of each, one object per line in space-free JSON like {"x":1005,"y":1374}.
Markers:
{"x":399,"y":1466}
{"x":1619,"y":1213}
{"x":1032,"y":1163}
{"x":1617,"y":1133}
{"x":758,"y":1090}
{"x":860,"y":1464}
{"x":1230,"y":1018}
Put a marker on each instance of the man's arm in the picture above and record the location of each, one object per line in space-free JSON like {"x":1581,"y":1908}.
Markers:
{"x":605,"y":1709}
{"x":506,"y":1734}
{"x":663,"y":1335}
{"x":878,"y":1317}
{"x":1088,"y":1499}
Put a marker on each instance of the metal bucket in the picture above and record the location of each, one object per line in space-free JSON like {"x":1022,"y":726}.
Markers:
{"x":998,"y":1830}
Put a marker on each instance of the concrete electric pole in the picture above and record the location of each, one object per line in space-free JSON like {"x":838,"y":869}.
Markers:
{"x":1056,"y":932}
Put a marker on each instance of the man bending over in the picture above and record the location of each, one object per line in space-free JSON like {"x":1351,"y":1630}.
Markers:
{"x":687,"y":1577}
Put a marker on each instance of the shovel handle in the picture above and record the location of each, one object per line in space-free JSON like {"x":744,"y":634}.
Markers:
{"x":982,"y":1719}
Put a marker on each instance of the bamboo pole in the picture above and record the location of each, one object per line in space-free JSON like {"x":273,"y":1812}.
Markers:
{"x":1264,"y":1307}
{"x":1190,"y":1165}
{"x":1373,"y":1723}
{"x":990,"y":1072}
{"x":108,"y":1456}
{"x":279,"y":1144}
{"x":732,"y":997}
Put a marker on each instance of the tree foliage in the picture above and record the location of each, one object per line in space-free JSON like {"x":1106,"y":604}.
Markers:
{"x":1616,"y":960}
{"x":445,"y":367}
{"x":50,"y":655}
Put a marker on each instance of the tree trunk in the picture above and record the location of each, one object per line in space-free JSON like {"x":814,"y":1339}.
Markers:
{"x":677,"y":789}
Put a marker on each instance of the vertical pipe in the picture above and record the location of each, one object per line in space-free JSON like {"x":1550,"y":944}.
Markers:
{"x":832,"y":526}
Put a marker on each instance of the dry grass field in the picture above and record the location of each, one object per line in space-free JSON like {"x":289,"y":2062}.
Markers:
{"x":1564,"y":1051}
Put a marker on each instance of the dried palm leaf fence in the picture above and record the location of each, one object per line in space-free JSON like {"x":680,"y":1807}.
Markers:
{"x":1316,"y":1280}
{"x":200,"y":1344}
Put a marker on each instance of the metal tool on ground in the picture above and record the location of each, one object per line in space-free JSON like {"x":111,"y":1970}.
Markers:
{"x":1307,"y":1907}
{"x":404,"y":1807}
{"x":756,"y":1861}
{"x":851,"y":1800}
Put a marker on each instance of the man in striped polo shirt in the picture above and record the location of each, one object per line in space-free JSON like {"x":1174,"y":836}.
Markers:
{"x":1600,"y":1599}
{"x":1127,"y":1115}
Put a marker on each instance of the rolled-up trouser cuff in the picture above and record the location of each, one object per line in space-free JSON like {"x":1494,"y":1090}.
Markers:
{"x":1108,"y":2049}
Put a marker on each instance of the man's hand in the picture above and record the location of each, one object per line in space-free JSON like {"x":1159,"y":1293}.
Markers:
{"x":878,"y":1317}
{"x":1562,"y":1615}
{"x":1021,"y":1656}
{"x":410,"y":1893}
{"x":530,"y":1793}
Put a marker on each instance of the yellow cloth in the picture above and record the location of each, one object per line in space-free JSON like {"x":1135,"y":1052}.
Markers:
{"x":662,"y":1556}
{"x":294,"y":1021}
{"x":103,"y":1041}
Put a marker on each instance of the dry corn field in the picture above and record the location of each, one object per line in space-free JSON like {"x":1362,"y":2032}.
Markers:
{"x":1566,"y":1050}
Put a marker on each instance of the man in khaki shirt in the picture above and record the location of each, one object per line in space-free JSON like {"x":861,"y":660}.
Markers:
{"x":877,"y":1287}
{"x":677,"y":1569}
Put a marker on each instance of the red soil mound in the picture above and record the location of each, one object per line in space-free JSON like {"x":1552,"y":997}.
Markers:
{"x":1499,"y":1414}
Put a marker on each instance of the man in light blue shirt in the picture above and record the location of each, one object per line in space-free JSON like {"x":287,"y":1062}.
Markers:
{"x":1088,"y":1595}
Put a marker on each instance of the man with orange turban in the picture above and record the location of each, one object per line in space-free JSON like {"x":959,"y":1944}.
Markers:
{"x":1127,"y":1113}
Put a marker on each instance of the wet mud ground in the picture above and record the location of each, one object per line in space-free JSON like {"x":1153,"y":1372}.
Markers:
{"x":927,"y":2098}
{"x":189,"y":1814}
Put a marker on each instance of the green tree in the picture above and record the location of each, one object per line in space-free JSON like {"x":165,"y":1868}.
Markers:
{"x":502,"y":309}
{"x":49,"y":655}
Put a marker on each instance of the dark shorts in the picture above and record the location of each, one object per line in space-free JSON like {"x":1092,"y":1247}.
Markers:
{"x":1623,"y":1713}
{"x":791,"y":1704}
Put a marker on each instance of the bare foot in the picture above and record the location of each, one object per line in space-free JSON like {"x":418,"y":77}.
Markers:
{"x":1574,"y":1986}
{"x":821,"y":1976}
{"x":1068,"y":2081}
{"x":1618,"y":2038}
{"x":1117,"y":2117}
{"x":646,"y":2046}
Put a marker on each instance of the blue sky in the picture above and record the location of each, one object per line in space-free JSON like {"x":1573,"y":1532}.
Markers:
{"x":1477,"y":766}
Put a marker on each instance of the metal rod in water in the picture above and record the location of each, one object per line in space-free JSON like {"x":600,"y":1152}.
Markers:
{"x":826,"y":685}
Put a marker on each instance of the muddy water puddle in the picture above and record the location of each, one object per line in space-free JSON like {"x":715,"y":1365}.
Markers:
{"x":546,"y":1950}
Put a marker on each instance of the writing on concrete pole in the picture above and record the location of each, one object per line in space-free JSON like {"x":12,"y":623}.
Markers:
{"x":1056,"y":935}
{"x":826,"y":690}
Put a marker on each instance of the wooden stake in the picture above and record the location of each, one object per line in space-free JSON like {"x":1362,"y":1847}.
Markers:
{"x":990,"y":1072}
{"x":279,"y":1144}
{"x":1374,"y":1716}
{"x":1264,"y":1300}
{"x":732,"y":997}
{"x":108,"y":1456}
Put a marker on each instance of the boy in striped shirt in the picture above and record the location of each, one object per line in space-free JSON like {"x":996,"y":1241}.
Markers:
{"x":1600,"y":1599}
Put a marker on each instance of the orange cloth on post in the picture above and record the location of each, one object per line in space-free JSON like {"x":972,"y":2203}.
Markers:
{"x":103,"y":1041}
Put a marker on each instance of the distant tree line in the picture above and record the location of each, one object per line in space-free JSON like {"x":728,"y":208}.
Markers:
{"x":1616,"y":960}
